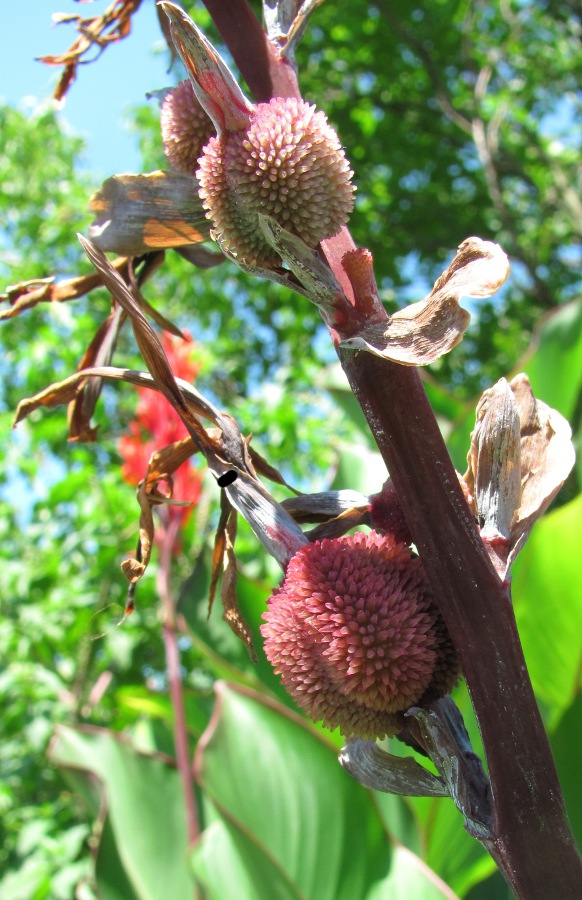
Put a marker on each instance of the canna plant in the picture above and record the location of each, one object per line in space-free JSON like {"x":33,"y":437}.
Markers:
{"x":369,"y":632}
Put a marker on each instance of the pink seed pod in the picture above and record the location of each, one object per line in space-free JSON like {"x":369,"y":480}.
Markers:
{"x":287,"y":163}
{"x":356,"y":635}
{"x":185,"y":128}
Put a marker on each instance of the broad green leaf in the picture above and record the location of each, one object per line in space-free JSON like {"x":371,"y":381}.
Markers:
{"x":555,"y":368}
{"x":548,"y":607}
{"x":457,"y":857}
{"x":566,"y":742}
{"x":274,"y":778}
{"x":410,"y":878}
{"x":245,"y":871}
{"x":147,"y":845}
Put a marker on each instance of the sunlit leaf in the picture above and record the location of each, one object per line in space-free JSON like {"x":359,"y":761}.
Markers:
{"x":145,"y":809}
{"x":548,"y":607}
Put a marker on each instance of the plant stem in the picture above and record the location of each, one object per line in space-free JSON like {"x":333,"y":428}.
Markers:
{"x":167,"y":548}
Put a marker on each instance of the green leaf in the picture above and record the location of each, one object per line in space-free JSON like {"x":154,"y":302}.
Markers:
{"x":566,"y":742}
{"x":410,"y":877}
{"x":275,"y":781}
{"x":548,"y":607}
{"x":555,"y":369}
{"x":274,"y":778}
{"x":146,"y":845}
{"x":247,"y":872}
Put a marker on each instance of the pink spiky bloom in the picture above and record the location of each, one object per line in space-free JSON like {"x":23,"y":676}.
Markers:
{"x":356,"y":635}
{"x":287,"y":163}
{"x":185,"y":128}
{"x":156,"y":425}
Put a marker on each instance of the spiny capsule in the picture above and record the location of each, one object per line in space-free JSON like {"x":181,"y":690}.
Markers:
{"x":287,"y":163}
{"x":356,"y":635}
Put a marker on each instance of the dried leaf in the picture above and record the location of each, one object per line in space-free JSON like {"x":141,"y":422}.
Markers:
{"x":138,"y":213}
{"x":54,"y":395}
{"x":495,"y":461}
{"x":381,"y":771}
{"x":63,"y":391}
{"x":547,"y":457}
{"x":230,"y":609}
{"x":26,"y":294}
{"x":521,"y":454}
{"x":165,"y":461}
{"x":265,"y":468}
{"x":162,"y":464}
{"x":97,"y":31}
{"x":340,"y":525}
{"x":421,"y":333}
{"x":133,"y":569}
{"x":98,"y":353}
{"x":149,"y":344}
{"x":224,"y":562}
{"x":218,"y":549}
{"x":322,"y":506}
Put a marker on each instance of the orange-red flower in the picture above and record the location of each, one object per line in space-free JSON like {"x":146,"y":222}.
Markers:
{"x":156,"y":425}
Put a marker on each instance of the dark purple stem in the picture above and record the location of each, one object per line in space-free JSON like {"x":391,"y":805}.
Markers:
{"x":532,"y":841}
{"x":167,"y":549}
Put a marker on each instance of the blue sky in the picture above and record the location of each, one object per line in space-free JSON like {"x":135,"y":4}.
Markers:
{"x":98,"y":103}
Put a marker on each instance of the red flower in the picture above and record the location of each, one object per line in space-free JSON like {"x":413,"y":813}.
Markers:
{"x":156,"y":425}
{"x":356,"y":635}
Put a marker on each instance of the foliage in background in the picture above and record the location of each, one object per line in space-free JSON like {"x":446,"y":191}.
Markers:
{"x":436,"y":158}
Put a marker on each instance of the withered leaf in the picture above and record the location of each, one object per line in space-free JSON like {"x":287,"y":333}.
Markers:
{"x":138,"y":213}
{"x":162,"y":464}
{"x":547,"y":458}
{"x":98,"y":353}
{"x":230,"y":609}
{"x":96,"y":31}
{"x":495,"y":461}
{"x":421,"y":333}
{"x":521,"y":454}
{"x":27,"y":294}
{"x":320,"y":507}
{"x":224,"y":563}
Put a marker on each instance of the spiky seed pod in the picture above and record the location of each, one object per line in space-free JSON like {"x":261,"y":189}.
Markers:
{"x":186,"y":128}
{"x":356,"y":635}
{"x":287,"y":163}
